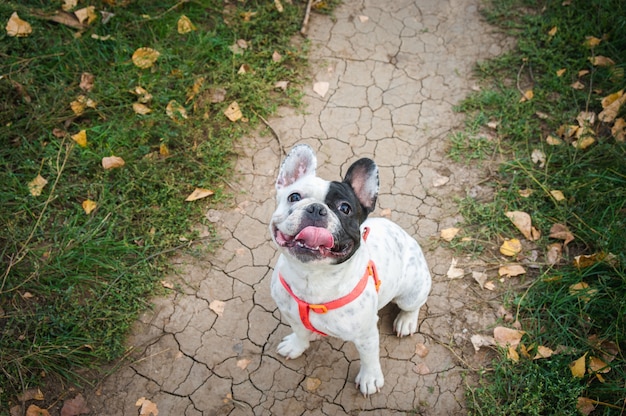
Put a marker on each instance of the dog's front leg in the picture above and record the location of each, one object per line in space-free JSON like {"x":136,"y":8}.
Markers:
{"x":294,"y":344}
{"x":370,"y":378}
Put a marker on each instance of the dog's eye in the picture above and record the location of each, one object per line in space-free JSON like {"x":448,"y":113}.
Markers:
{"x":295,"y":197}
{"x":345,"y":208}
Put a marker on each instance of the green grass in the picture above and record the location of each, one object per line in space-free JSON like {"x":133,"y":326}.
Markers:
{"x":593,"y":181}
{"x":72,"y":283}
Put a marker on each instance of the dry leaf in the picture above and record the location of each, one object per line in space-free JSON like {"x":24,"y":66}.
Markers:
{"x":560,"y":72}
{"x":578,"y":367}
{"x":279,"y":6}
{"x":163,"y":150}
{"x":321,"y":88}
{"x":512,"y":354}
{"x":611,"y":110}
{"x":455,"y":272}
{"x":584,"y":143}
{"x":421,"y":350}
{"x":146,"y":407}
{"x":421,"y":369}
{"x":247,"y":16}
{"x":507,"y":337}
{"x":86,"y":81}
{"x":480,"y":278}
{"x":276,"y":57}
{"x":195,"y":89}
{"x":611,"y":98}
{"x":233,"y":112}
{"x":243,"y":363}
{"x":511,"y":247}
{"x":523,"y":223}
{"x":185,"y":25}
{"x":199,"y":193}
{"x":577,"y":85}
{"x":525,"y":193}
{"x":281,"y":85}
{"x":528,"y":95}
{"x":619,"y":130}
{"x":31,"y":394}
{"x":557,"y":195}
{"x":582,"y":291}
{"x":591,"y":41}
{"x":481,"y":341}
{"x":312,"y":384}
{"x":553,"y":141}
{"x":543,"y":352}
{"x":561,"y":232}
{"x":141,"y":109}
{"x":80,"y":138}
{"x":145,"y":57}
{"x":217,"y":95}
{"x":585,"y":260}
{"x":74,"y":407}
{"x":35,"y":187}
{"x":448,"y":234}
{"x":86,"y":14}
{"x":552,"y":31}
{"x":553,"y":256}
{"x":538,"y":157}
{"x":217,"y":306}
{"x":69,"y":5}
{"x":511,"y":270}
{"x":167,"y":284}
{"x":18,"y":27}
{"x":175,"y":111}
{"x":585,"y":405}
{"x":363,"y":18}
{"x":88,"y":206}
{"x":143,"y":96}
{"x":597,"y":365}
{"x":601,"y":61}
{"x":245,"y":69}
{"x":112,"y":162}
{"x":440,"y":180}
{"x":36,"y":411}
{"x":490,"y":286}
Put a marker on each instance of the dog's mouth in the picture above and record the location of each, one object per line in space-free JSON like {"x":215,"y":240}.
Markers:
{"x":313,"y":241}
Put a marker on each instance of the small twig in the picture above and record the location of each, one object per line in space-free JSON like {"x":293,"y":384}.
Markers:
{"x":269,"y":126}
{"x":305,"y":21}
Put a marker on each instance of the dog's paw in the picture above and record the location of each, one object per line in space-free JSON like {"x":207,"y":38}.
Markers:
{"x":369,"y":382}
{"x":406,"y":323}
{"x":292,"y":346}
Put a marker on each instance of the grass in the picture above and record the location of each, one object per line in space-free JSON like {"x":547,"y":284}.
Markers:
{"x":71,"y":283}
{"x":590,"y":323}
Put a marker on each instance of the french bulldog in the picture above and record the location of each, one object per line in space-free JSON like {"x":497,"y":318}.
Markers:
{"x":337,"y":268}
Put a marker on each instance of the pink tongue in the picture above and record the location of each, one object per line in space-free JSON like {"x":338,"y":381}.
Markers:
{"x":316,"y":237}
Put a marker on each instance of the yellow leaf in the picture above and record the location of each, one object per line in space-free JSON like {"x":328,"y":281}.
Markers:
{"x":80,"y":138}
{"x":233,"y":112}
{"x":86,"y":14}
{"x":35,"y":187}
{"x":560,"y":72}
{"x":612,"y":107}
{"x":88,"y":206}
{"x":247,"y":16}
{"x":141,"y":109}
{"x":512,"y":354}
{"x":448,"y":234}
{"x":525,"y":193}
{"x":601,"y":61}
{"x":185,"y":25}
{"x":311,"y":383}
{"x":163,"y":150}
{"x":584,"y":260}
{"x":174,"y":110}
{"x":528,"y":95}
{"x":195,"y":89}
{"x":112,"y":162}
{"x":511,"y":270}
{"x":18,"y":27}
{"x":583,"y":143}
{"x":553,"y":141}
{"x":591,"y":41}
{"x":145,"y":57}
{"x":511,"y":247}
{"x":279,"y":6}
{"x":557,"y":195}
{"x":69,"y":5}
{"x":523,"y":223}
{"x":78,"y":105}
{"x":578,"y":367}
{"x":199,"y":193}
{"x":34,"y":410}
{"x":619,"y":130}
{"x":507,"y":337}
{"x":553,"y":31}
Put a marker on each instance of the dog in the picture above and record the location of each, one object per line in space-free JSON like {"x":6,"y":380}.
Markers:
{"x":336,"y":267}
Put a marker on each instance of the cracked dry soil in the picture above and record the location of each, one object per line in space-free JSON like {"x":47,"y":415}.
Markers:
{"x":395,"y":70}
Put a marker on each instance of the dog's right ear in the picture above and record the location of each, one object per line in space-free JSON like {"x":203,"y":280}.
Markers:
{"x":300,"y":162}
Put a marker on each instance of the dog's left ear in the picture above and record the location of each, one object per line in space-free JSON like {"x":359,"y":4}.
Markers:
{"x":362,"y":176}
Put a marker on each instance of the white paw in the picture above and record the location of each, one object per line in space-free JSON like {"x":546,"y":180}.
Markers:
{"x":369,"y":382}
{"x":292,"y":346}
{"x":406,"y":323}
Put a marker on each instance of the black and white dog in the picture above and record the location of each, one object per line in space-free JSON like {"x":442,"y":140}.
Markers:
{"x":337,"y":268}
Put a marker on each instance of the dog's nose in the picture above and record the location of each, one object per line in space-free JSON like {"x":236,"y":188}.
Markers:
{"x":317,"y":210}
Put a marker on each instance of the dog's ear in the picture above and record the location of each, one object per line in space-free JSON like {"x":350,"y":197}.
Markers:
{"x":300,"y":162}
{"x":362,"y":176}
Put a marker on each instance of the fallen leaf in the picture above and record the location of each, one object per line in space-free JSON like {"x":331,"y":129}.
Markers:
{"x":504,"y":314}
{"x":195,"y":89}
{"x":143,"y":96}
{"x":490,"y":286}
{"x":80,"y":138}
{"x":481,"y":341}
{"x":167,"y":285}
{"x":557,"y":195}
{"x":440,"y":180}
{"x":245,"y":69}
{"x":175,"y":111}
{"x":511,"y":247}
{"x":363,"y":18}
{"x":217,"y":95}
{"x":577,"y":85}
{"x":199,"y":193}
{"x":586,"y":260}
{"x":88,"y":206}
{"x":578,"y":367}
{"x":112,"y":162}
{"x":591,"y":41}
{"x":31,"y":394}
{"x":597,"y":365}
{"x":217,"y":306}
{"x":585,"y":405}
{"x":421,"y":350}
{"x":281,"y":85}
{"x":511,"y":270}
{"x":553,"y":256}
{"x":582,"y":291}
{"x":538,"y":157}
{"x":601,"y":61}
{"x":609,"y":113}
{"x":35,"y":187}
{"x":455,"y":272}
{"x":86,"y":81}
{"x":523,"y":222}
{"x":543,"y":352}
{"x":141,"y":109}
{"x":504,"y":336}
{"x":552,"y":31}
{"x":619,"y":130}
{"x":448,"y":234}
{"x":247,"y":16}
{"x":279,"y":6}
{"x":553,"y":141}
{"x":480,"y":278}
{"x":528,"y":95}
{"x":233,"y":112}
{"x":145,"y":57}
{"x":243,"y":363}
{"x":69,"y":5}
{"x":86,"y":15}
{"x":560,"y":72}
{"x":34,"y":410}
{"x":184,"y":25}
{"x":163,"y":150}
{"x":74,"y":407}
{"x":17,"y":27}
{"x":525,"y":193}
{"x":146,"y":407}
{"x":276,"y":57}
{"x":584,"y":143}
{"x":561,"y":232}
{"x":512,"y":354}
{"x":421,"y":369}
{"x":321,"y":88}
{"x":312,"y":384}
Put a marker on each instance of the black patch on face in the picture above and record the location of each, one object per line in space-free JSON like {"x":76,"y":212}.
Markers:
{"x":340,"y":194}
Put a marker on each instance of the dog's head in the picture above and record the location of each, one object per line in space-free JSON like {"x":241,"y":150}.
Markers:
{"x":317,"y":220}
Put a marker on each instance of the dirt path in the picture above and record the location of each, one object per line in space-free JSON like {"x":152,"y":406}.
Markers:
{"x":395,"y":69}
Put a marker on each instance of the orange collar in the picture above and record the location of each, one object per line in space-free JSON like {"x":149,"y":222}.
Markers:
{"x":304,"y":307}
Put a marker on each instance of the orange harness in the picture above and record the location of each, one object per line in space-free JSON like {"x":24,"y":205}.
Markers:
{"x":304,"y":308}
